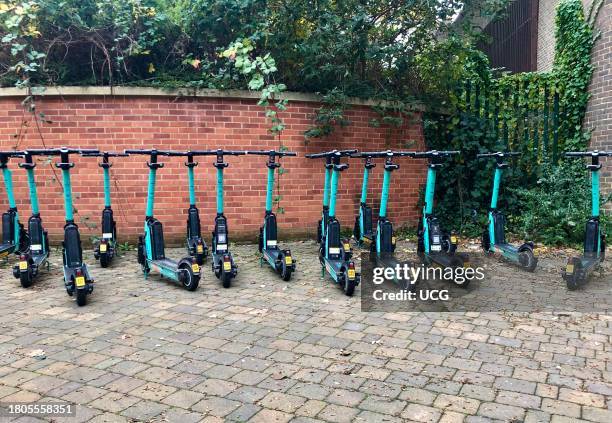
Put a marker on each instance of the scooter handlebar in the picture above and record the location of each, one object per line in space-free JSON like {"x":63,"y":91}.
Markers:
{"x":594,"y":153}
{"x":106,"y":153}
{"x":436,"y":153}
{"x":387,"y":153}
{"x":498,"y":154}
{"x":331,"y":154}
{"x":271,"y":153}
{"x":58,"y":151}
{"x":148,"y":152}
{"x":215,"y":152}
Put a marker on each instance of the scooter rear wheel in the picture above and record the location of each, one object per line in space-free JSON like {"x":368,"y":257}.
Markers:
{"x":189,"y":281}
{"x":226,"y":279}
{"x":104,"y":260}
{"x":573,"y":281}
{"x":348,"y":286}
{"x":285,"y":271}
{"x":26,"y":278}
{"x":81,"y":297}
{"x":528,"y":260}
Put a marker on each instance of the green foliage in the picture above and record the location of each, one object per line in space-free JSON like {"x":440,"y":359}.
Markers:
{"x":555,"y":209}
{"x":515,"y":113}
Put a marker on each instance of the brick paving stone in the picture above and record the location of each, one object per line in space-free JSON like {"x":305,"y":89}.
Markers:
{"x":271,"y":416}
{"x":182,"y":399}
{"x":338,"y":414}
{"x":563,"y":408}
{"x":501,"y":412}
{"x":421,"y":413}
{"x":216,"y":406}
{"x":456,"y":403}
{"x":144,"y":410}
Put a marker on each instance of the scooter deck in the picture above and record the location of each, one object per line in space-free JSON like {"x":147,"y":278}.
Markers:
{"x":449,"y":260}
{"x":271,"y":255}
{"x":39,"y":259}
{"x":165,"y":263}
{"x":6,"y":247}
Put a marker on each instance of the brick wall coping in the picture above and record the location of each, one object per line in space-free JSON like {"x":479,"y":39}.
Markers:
{"x":180,"y":92}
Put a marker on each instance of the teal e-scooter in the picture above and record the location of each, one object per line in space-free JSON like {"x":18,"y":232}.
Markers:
{"x":151,"y":247}
{"x":578,"y":269}
{"x":30,"y":262}
{"x":335,"y":254}
{"x":77,"y":279}
{"x":493,"y":236}
{"x":104,"y":251}
{"x":279,"y":259}
{"x":14,"y":235}
{"x":196,"y":246}
{"x":435,"y":245}
{"x":363,"y":231}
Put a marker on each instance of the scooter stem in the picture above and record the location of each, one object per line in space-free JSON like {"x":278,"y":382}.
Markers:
{"x":33,"y":193}
{"x":8,"y":184}
{"x":192,"y":197}
{"x":68,"y":195}
{"x":496,"y":185}
{"x":107,"y":196}
{"x":430,"y":189}
{"x":364,"y":186}
{"x":151,"y":192}
{"x":328,"y":177}
{"x":384,"y":198}
{"x":595,"y":193}
{"x":334,"y":190}
{"x":269,"y":190}
{"x":219,"y":190}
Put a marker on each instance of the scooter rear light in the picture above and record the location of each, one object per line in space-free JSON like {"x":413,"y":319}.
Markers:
{"x":79,"y":272}
{"x":23,"y":257}
{"x":351,"y":265}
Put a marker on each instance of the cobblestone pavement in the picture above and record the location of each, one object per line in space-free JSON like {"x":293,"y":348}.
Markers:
{"x":273,"y":351}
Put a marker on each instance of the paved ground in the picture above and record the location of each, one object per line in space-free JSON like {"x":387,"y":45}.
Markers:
{"x":270,"y":351}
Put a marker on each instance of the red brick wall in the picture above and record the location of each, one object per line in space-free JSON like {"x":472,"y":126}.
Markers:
{"x":121,"y":122}
{"x":598,"y":117}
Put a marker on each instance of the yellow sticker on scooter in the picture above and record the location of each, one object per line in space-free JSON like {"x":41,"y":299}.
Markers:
{"x":453,"y":239}
{"x":80,"y":281}
{"x":195,"y":268}
{"x":200,"y":249}
{"x":347,"y":247}
{"x":393,"y":240}
{"x":288,"y":260}
{"x":227,"y":266}
{"x":23,"y":265}
{"x":569,"y":269}
{"x":351,"y":273}
{"x":102,"y":248}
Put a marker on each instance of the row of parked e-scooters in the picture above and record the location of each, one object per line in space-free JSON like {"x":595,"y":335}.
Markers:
{"x":435,"y":245}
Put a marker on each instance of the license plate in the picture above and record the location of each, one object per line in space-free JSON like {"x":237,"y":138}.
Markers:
{"x":35,"y":247}
{"x":80,"y":281}
{"x":227,"y":266}
{"x":23,"y":265}
{"x":288,"y":260}
{"x":454,"y":239}
{"x":221,"y":247}
{"x":195,"y":267}
{"x":436,"y":248}
{"x":272,"y":243}
{"x":351,"y":273}
{"x":334,"y":250}
{"x":347,"y":247}
{"x":107,"y":235}
{"x":102,"y":248}
{"x":200,"y":248}
{"x":569,"y":268}
{"x":393,"y":240}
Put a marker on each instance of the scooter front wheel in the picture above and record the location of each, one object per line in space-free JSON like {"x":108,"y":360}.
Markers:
{"x":81,"y":297}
